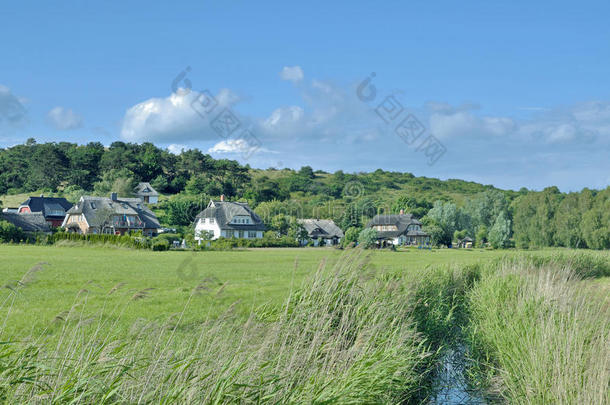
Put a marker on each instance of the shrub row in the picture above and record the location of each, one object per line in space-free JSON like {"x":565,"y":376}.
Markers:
{"x":136,"y":242}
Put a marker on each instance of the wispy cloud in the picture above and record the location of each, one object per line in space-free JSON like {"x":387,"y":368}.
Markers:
{"x":64,"y":119}
{"x":12,"y":111}
{"x":292,"y":73}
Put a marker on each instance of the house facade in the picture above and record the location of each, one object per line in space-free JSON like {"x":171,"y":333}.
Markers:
{"x":103,"y":215}
{"x":147,"y":193}
{"x":402,"y":229}
{"x":228,"y":220}
{"x":53,"y":209}
{"x":323,"y":232}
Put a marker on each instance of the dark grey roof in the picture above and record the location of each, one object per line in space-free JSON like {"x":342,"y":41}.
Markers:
{"x":321,"y":228}
{"x":145,"y":189}
{"x":30,"y":222}
{"x":46,"y":205}
{"x":401,"y":222}
{"x":95,"y":208}
{"x":224,"y":211}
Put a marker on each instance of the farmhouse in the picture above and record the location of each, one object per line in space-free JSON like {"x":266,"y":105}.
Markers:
{"x":402,"y":229}
{"x":147,"y":193}
{"x":322,"y":231}
{"x":111,"y":216}
{"x":229,"y":220}
{"x":53,"y":209}
{"x":28,"y":222}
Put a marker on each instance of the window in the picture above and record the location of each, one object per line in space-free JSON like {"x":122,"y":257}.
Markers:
{"x":251,"y":234}
{"x":92,"y":205}
{"x":211,"y":220}
{"x":241,"y":234}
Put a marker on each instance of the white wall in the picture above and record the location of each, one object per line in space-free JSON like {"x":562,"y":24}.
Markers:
{"x":204,"y":225}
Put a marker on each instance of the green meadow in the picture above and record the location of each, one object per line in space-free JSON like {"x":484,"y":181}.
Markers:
{"x":241,"y":279}
{"x":95,"y":324}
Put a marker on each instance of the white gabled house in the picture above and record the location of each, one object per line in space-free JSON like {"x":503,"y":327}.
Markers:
{"x":228,"y":220}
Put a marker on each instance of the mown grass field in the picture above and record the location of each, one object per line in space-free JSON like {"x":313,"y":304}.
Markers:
{"x":245,"y":278}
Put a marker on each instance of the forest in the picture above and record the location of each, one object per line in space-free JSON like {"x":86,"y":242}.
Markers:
{"x":450,"y":209}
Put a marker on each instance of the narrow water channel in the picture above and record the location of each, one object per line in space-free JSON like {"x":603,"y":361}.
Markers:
{"x":450,"y":386}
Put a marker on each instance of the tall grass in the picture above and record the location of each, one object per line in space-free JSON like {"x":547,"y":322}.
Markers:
{"x":345,"y":336}
{"x":542,"y":336}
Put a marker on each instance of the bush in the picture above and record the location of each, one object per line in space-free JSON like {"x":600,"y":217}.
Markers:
{"x":160,"y":245}
{"x":367,"y":238}
{"x":10,"y":233}
{"x":136,"y":242}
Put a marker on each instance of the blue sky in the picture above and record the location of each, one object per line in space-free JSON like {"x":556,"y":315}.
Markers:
{"x":517,"y":94}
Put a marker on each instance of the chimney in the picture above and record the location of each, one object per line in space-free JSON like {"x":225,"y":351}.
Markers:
{"x":402,"y":212}
{"x":113,"y":196}
{"x":222,"y":197}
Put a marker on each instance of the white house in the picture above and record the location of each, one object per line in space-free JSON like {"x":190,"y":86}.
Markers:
{"x":229,"y":220}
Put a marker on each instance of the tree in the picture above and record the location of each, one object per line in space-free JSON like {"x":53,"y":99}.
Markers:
{"x":500,"y":232}
{"x":443,"y":215}
{"x":351,"y":235}
{"x":48,"y":167}
{"x":280,"y":223}
{"x":367,"y":238}
{"x":481,"y":237}
{"x":596,"y":222}
{"x":485,"y":207}
{"x":182,"y":209}
{"x":459,"y":235}
{"x":118,"y":181}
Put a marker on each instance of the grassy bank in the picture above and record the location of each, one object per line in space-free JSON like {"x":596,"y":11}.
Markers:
{"x":540,"y":332}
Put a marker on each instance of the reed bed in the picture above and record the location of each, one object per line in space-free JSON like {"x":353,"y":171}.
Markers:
{"x":541,"y":335}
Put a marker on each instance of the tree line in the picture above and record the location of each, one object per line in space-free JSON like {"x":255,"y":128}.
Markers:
{"x":449,"y":209}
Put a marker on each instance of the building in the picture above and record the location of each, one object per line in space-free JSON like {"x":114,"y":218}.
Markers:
{"x":29,"y":222}
{"x":147,"y":193}
{"x":53,"y":209}
{"x":228,"y":220}
{"x":466,"y":243}
{"x":323,"y":232}
{"x":402,"y":229}
{"x":111,"y":216}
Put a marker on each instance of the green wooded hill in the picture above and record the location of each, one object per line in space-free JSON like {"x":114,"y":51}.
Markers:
{"x":450,"y":209}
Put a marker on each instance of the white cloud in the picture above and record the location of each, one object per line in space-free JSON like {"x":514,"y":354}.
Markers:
{"x":12,"y":111}
{"x":177,"y":149}
{"x":284,"y":118}
{"x":292,"y":73}
{"x":180,"y":116}
{"x":230,"y":146}
{"x":64,"y":119}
